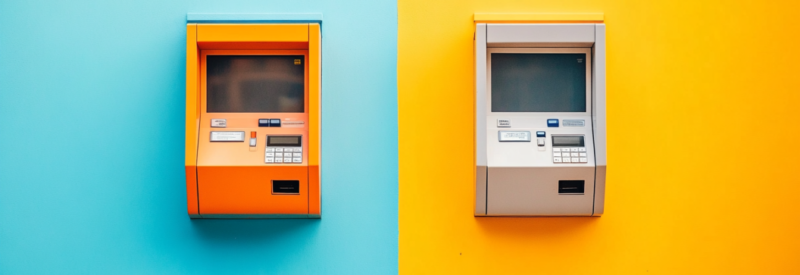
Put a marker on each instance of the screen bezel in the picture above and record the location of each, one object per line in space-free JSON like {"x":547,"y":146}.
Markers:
{"x":587,"y":51}
{"x":203,"y":104}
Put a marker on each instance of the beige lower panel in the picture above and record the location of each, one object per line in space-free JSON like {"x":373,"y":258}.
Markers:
{"x":534,"y":192}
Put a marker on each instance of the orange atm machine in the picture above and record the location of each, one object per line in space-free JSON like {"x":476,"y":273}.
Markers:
{"x":253,"y":120}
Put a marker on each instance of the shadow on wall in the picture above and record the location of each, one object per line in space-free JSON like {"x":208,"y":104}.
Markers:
{"x":533,"y":227}
{"x":254,"y":231}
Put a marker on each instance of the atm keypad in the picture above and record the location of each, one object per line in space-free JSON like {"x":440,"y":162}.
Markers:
{"x":283,"y":155}
{"x":570,"y":155}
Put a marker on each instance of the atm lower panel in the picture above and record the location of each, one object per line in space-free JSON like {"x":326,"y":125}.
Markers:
{"x":534,"y":191}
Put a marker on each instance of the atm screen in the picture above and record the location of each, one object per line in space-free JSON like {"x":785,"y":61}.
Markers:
{"x":255,"y":83}
{"x":525,"y":82}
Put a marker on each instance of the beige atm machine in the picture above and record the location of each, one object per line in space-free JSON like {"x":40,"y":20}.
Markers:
{"x":540,"y":123}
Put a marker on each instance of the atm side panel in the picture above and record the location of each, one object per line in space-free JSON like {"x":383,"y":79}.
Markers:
{"x":480,"y":120}
{"x":599,"y":116}
{"x":192,"y":120}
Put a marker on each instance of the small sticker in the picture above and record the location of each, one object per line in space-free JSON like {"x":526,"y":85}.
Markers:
{"x":297,"y":62}
{"x":219,"y":123}
{"x":503,"y":123}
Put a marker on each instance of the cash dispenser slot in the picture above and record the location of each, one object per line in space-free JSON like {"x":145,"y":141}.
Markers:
{"x":571,"y":187}
{"x":286,"y":187}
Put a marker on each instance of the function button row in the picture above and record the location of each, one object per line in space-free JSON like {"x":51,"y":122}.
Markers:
{"x":574,"y":155}
{"x":569,"y":149}
{"x":283,"y":160}
{"x":284,"y":155}
{"x":284,"y":149}
{"x":570,"y":160}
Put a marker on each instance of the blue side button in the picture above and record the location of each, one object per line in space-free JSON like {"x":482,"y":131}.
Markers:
{"x":540,"y":134}
{"x":551,"y":122}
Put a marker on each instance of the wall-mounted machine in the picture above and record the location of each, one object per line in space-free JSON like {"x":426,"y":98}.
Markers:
{"x":540,"y":130}
{"x":253,"y":120}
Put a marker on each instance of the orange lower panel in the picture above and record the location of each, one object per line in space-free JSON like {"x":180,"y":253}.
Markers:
{"x":191,"y":191}
{"x":248,"y":190}
{"x":314,"y":207}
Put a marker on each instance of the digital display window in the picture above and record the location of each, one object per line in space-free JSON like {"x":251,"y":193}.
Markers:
{"x":283,"y":141}
{"x":568,"y":141}
{"x":536,"y":82}
{"x":255,"y":83}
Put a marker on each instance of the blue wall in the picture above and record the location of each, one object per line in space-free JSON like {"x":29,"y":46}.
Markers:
{"x":91,"y":144}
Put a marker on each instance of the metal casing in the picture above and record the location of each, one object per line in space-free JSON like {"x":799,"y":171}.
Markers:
{"x":520,"y":178}
{"x":233,"y":179}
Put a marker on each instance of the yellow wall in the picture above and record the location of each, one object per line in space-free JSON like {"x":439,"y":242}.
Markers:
{"x":703,"y":157}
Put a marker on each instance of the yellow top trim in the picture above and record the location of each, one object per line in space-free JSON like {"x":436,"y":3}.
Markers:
{"x":538,"y":17}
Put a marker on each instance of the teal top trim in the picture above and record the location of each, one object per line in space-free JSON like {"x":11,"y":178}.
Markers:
{"x":254,"y":18}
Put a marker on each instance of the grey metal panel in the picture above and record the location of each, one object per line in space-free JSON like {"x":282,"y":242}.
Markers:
{"x":599,"y":94}
{"x":533,"y":191}
{"x":480,"y":191}
{"x":599,"y":191}
{"x":540,"y":33}
{"x":480,"y":95}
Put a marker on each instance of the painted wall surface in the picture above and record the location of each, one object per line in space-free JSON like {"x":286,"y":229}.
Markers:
{"x":91,"y":144}
{"x":702,"y":151}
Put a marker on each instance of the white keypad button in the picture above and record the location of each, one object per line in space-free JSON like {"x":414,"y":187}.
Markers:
{"x":287,"y":160}
{"x":584,"y":160}
{"x":278,"y":160}
{"x":279,"y":155}
{"x":573,"y":154}
{"x":297,"y":155}
{"x":556,"y":154}
{"x":556,"y":149}
{"x":269,"y":155}
{"x":583,"y":154}
{"x":581,"y":149}
{"x":298,"y":149}
{"x":278,"y":149}
{"x":270,"y":149}
{"x":575,"y":159}
{"x":269,"y":160}
{"x":297,"y":160}
{"x":565,"y":159}
{"x":556,"y":159}
{"x":573,"y":149}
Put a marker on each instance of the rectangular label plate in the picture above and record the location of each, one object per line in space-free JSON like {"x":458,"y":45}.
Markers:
{"x":219,"y":123}
{"x":574,"y":123}
{"x":514,"y":136}
{"x":227,"y":136}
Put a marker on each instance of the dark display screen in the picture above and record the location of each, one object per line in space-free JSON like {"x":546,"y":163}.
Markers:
{"x":524,"y":82}
{"x":283,"y":141}
{"x":255,"y":83}
{"x":568,"y":141}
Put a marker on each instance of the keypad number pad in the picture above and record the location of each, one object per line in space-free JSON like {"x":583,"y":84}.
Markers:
{"x":570,"y":155}
{"x":276,"y":155}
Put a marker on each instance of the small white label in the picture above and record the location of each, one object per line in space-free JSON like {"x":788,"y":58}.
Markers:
{"x":515,"y":136}
{"x":503,"y":123}
{"x":574,"y":123}
{"x":227,"y":136}
{"x":219,"y":123}
{"x":293,"y":123}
